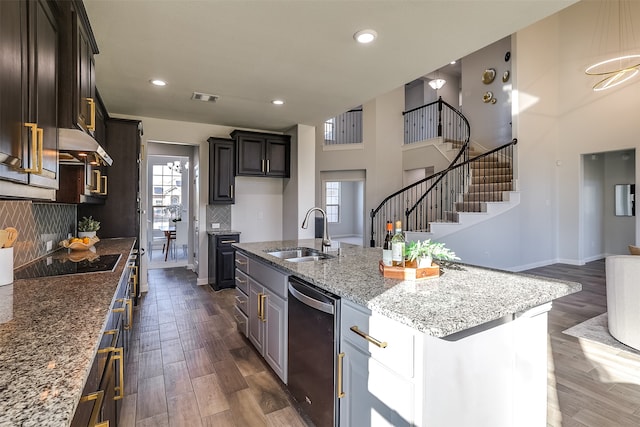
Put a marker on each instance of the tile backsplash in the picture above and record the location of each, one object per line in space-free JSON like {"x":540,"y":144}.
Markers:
{"x":37,"y":224}
{"x":220,"y":214}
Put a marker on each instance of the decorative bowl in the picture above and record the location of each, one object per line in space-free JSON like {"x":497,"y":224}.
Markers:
{"x":79,"y":245}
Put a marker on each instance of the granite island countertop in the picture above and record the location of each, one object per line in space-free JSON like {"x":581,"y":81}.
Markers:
{"x":47,"y":349}
{"x":462,"y":297}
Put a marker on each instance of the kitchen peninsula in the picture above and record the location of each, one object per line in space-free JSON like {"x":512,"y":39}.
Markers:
{"x":48,"y":348}
{"x":468,"y":348}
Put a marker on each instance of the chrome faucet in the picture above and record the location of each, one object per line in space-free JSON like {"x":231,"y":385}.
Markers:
{"x":326,"y":240}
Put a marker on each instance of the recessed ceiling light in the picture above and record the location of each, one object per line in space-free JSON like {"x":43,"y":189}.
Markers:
{"x":158,"y":82}
{"x":452,"y":62}
{"x":365,"y":36}
{"x":277,"y":102}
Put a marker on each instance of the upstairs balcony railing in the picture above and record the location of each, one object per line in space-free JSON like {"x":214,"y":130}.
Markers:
{"x":433,"y":120}
{"x":345,"y":128}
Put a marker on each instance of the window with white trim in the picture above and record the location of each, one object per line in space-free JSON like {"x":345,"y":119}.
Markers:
{"x":332,"y":201}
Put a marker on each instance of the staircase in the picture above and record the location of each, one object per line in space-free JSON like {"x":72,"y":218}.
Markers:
{"x":466,"y":193}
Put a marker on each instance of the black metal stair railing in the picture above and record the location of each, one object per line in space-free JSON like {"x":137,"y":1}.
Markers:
{"x":464,"y":186}
{"x":433,"y":120}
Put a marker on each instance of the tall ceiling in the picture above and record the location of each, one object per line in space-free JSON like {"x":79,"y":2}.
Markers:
{"x":302,"y":51}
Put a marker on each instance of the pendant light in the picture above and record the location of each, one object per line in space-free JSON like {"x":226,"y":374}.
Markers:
{"x":624,"y":64}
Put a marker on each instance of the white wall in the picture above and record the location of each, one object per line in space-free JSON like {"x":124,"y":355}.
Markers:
{"x":299,"y":190}
{"x":490,"y":123}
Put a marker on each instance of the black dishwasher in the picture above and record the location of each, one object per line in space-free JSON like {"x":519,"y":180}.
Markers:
{"x":314,"y":316}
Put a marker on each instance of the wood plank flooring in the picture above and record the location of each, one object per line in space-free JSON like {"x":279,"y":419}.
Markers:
{"x":589,"y":384}
{"x":188,"y":366}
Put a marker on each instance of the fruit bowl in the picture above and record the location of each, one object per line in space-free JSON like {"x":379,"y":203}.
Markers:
{"x":78,"y":244}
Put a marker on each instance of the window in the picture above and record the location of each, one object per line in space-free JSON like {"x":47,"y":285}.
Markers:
{"x":167,"y":195}
{"x":332,"y":201}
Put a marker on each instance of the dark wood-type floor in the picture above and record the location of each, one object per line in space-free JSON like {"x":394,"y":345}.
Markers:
{"x":188,"y":365}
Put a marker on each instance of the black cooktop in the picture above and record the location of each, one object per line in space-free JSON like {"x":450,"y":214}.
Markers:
{"x":59,"y":266}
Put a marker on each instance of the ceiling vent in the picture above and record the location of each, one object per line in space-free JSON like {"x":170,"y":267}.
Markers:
{"x":205,"y":97}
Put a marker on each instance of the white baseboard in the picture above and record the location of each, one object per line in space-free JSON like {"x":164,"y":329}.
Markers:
{"x":202,"y":281}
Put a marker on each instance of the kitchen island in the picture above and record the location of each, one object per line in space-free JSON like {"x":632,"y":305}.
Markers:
{"x":47,"y":349}
{"x":465,"y":349}
{"x":461,"y":298}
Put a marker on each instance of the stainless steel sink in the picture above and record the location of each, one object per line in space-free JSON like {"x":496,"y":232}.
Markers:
{"x":300,"y":254}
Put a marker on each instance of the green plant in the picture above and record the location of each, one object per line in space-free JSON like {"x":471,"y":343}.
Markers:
{"x":427,"y":248}
{"x":88,"y":224}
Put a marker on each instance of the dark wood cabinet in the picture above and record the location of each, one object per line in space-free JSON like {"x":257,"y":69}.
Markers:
{"x":78,"y":101}
{"x":119,"y":215}
{"x":222,"y":260}
{"x":221,"y":173}
{"x":29,"y":93}
{"x":13,"y":90}
{"x":262,"y":154}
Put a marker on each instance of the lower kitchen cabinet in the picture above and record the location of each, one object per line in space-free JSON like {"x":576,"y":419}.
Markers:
{"x":266,"y":310}
{"x":268,"y":326}
{"x":101,"y":401}
{"x":379,"y":373}
{"x":222,"y":260}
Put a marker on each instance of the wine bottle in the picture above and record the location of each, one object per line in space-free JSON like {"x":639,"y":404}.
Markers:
{"x":386,"y":248}
{"x":397,"y":246}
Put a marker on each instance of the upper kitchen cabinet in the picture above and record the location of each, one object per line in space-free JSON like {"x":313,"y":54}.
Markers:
{"x":221,"y":177}
{"x":119,"y":215}
{"x":29,"y":35}
{"x":77,"y":84}
{"x":262,"y":154}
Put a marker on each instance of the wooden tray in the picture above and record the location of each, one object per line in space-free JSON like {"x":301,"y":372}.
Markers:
{"x":408,"y":273}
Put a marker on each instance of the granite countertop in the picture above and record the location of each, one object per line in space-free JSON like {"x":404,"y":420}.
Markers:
{"x":216,"y":232}
{"x":48,"y":347}
{"x":462,"y":297}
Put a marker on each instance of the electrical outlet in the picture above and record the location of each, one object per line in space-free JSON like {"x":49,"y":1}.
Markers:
{"x":49,"y":245}
{"x":215,"y":225}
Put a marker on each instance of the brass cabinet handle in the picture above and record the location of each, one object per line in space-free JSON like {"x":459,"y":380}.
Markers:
{"x":381,"y":344}
{"x":240,"y":262}
{"x":231,"y":187}
{"x":134,"y":291}
{"x":129,"y":303}
{"x":262,"y":166}
{"x":98,"y":396}
{"x":92,"y":114}
{"x":268,"y":168}
{"x":240,"y":280}
{"x":264,"y":316}
{"x":118,"y":355}
{"x":340,"y":361}
{"x":37,"y":147}
{"x":228,"y":241}
{"x":98,"y":181}
{"x":259,"y":306}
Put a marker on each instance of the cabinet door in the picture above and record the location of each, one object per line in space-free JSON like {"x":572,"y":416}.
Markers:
{"x":85,"y":91}
{"x":275,"y":349}
{"x":277,"y":155}
{"x":373,"y":394}
{"x":256,"y":326}
{"x":13,"y":90}
{"x":250,"y":155}
{"x":225,"y":273}
{"x":43,"y":108}
{"x":221,"y":164}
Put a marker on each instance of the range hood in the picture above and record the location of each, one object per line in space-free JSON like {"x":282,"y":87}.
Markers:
{"x":77,"y":140}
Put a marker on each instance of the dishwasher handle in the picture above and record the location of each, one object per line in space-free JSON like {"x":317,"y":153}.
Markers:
{"x":310,"y":301}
